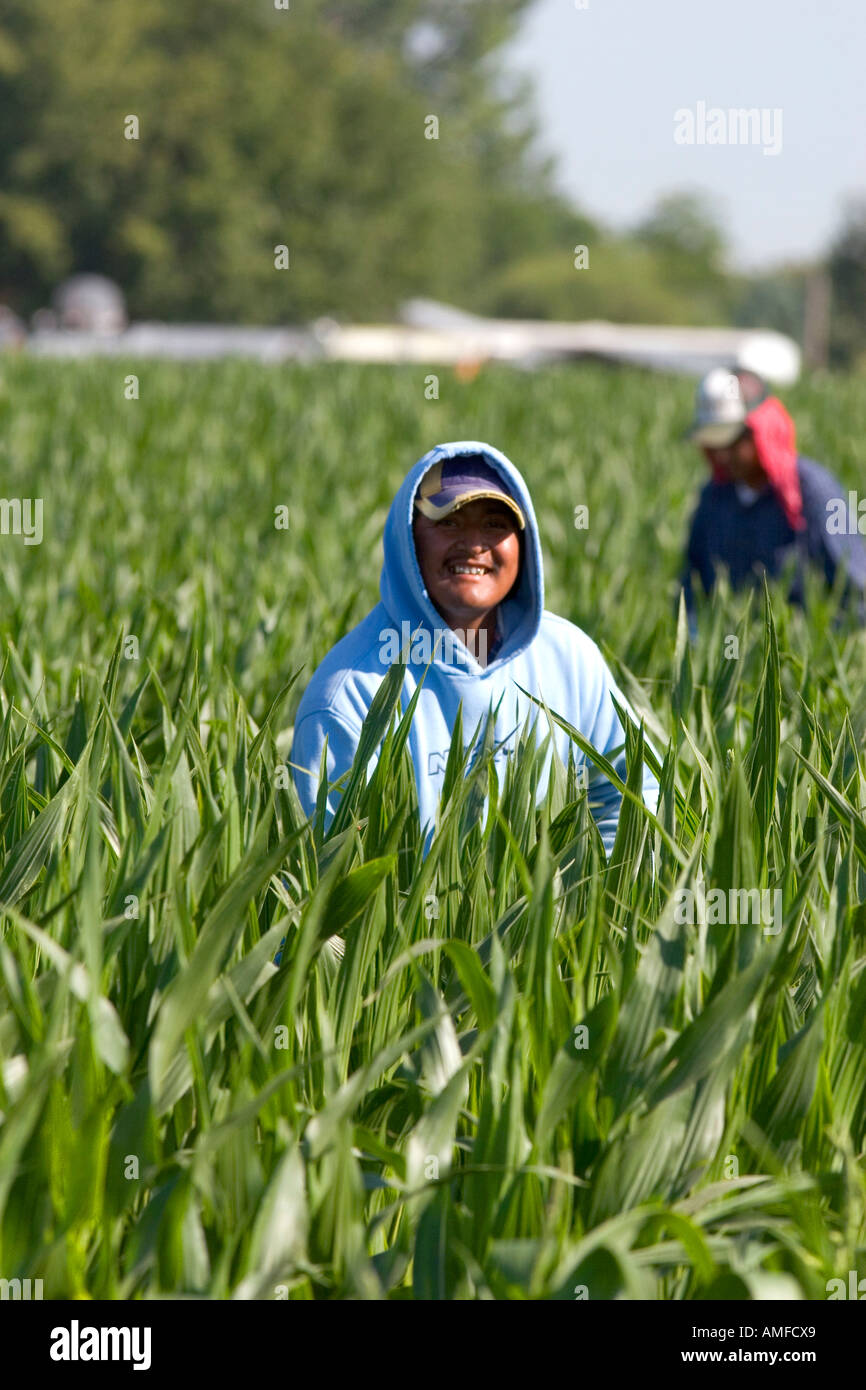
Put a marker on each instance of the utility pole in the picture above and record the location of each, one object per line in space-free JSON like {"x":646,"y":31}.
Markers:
{"x":816,"y":318}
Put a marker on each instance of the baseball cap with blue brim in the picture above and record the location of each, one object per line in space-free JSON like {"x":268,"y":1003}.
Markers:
{"x":454,"y":482}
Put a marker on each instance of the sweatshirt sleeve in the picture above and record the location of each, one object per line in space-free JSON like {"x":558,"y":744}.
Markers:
{"x":844,"y":547}
{"x":607,"y":735}
{"x":833,"y":535}
{"x":307,"y":744}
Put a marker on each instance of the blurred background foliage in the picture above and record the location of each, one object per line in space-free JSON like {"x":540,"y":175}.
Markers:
{"x":305,"y":127}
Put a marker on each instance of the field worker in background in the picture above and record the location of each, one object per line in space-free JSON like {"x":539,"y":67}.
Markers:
{"x":462,"y":575}
{"x":765,"y":504}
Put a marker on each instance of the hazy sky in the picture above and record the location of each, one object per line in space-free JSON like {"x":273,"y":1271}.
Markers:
{"x":610,"y":77}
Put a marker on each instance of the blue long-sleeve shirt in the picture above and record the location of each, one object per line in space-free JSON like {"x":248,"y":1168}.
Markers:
{"x":748,"y":535}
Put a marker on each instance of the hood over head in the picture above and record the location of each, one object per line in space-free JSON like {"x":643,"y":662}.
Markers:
{"x":402,"y":588}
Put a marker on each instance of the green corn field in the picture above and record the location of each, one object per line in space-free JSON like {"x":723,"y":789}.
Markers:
{"x":508,"y":1069}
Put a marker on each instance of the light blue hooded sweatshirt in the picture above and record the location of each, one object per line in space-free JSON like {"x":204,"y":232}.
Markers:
{"x":546,"y":655}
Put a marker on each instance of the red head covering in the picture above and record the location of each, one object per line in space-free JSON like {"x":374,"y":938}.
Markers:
{"x":776,"y":447}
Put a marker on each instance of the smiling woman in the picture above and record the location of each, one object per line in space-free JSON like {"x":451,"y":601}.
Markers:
{"x":467,"y":538}
{"x":462,"y":546}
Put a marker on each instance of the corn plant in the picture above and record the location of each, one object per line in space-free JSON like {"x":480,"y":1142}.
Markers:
{"x":509,"y":1067}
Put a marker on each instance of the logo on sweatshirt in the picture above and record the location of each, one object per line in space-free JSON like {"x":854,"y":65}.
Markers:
{"x":436,"y":762}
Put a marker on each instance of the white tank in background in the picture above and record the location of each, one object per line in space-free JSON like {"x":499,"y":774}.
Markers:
{"x":90,"y":304}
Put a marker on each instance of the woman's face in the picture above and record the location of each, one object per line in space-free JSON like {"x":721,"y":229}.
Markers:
{"x":469,"y":560}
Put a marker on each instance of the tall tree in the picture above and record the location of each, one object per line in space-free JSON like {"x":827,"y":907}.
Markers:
{"x":685,"y":236}
{"x":308,"y":127}
{"x":847,"y":269}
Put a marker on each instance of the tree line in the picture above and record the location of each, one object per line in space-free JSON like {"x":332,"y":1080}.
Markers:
{"x":174,"y":145}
